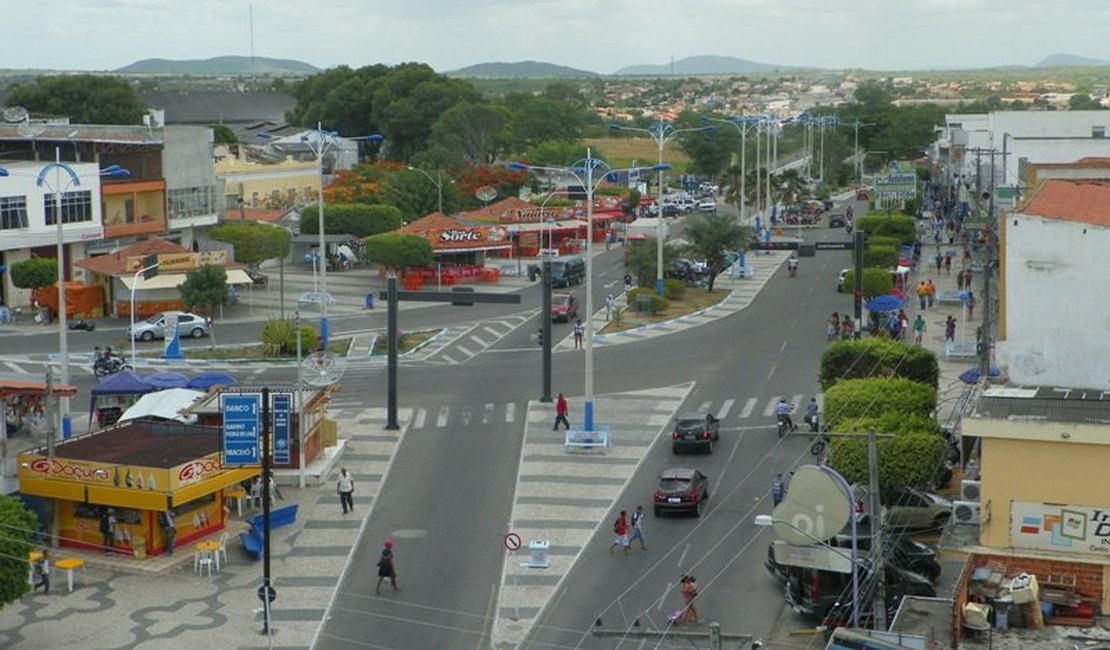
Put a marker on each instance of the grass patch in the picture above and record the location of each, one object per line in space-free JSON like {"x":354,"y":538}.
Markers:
{"x":620,"y":152}
{"x":693,"y":300}
{"x":256,"y":351}
{"x":409,"y":342}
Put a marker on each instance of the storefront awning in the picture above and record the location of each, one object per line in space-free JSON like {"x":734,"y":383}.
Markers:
{"x":174,"y":280}
{"x":210,"y":485}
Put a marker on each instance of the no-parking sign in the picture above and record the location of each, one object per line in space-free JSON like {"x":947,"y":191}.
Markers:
{"x":512,"y":542}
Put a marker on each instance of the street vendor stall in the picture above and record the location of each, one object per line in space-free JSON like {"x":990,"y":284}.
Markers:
{"x":136,"y":470}
{"x":23,"y":409}
{"x":114,"y":394}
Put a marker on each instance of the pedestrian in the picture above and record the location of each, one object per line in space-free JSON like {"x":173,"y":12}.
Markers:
{"x":610,"y":303}
{"x":345,"y":488}
{"x":950,"y":329}
{"x":620,"y":530}
{"x":627,"y":282}
{"x":386,"y":568}
{"x":108,"y":523}
{"x":968,"y":277}
{"x":169,"y":529}
{"x":948,"y":263}
{"x":579,"y":332}
{"x":561,"y":413}
{"x":40,"y":572}
{"x":939,"y":259}
{"x":275,"y":493}
{"x":922,"y":294}
{"x":778,"y":490}
{"x":918,"y":329}
{"x":903,"y":324}
{"x":689,"y":596}
{"x":637,"y":523}
{"x":931,"y":295}
{"x":970,"y":305}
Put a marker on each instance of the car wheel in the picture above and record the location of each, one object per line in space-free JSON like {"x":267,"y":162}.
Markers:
{"x":147,"y":336}
{"x":697,"y":509}
{"x":658,"y":511}
{"x":941,"y":520}
{"x":197,"y":333}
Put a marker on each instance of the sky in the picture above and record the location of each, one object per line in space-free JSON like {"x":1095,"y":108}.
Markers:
{"x":596,"y":35}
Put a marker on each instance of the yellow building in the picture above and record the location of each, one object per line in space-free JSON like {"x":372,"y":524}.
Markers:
{"x":275,"y":186}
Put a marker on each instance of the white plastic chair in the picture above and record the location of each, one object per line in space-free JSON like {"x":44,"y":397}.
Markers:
{"x":205,"y":562}
{"x":223,"y":548}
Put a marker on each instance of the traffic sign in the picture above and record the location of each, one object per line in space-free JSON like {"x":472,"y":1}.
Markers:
{"x":833,"y":245}
{"x":282,"y":407}
{"x":267,"y":592}
{"x":513,"y":542}
{"x":241,"y":426}
{"x":774,"y":246}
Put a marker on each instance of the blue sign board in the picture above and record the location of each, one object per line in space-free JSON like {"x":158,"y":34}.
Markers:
{"x":242,"y":425}
{"x":282,"y":407}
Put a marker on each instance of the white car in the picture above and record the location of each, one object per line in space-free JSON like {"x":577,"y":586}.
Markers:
{"x":707,"y":205}
{"x":155,"y":326}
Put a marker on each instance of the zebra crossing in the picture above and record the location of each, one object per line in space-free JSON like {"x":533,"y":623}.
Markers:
{"x":460,"y":343}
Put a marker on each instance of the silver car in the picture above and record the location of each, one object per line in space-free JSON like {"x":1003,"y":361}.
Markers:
{"x":314,"y":300}
{"x":155,"y":326}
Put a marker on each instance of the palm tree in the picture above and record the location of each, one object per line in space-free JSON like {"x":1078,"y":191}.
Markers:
{"x":787,"y":187}
{"x":712,"y":237}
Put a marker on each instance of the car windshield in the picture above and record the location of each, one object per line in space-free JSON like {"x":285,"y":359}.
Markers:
{"x":690,"y":425}
{"x":674,"y":484}
{"x":560,"y":301}
{"x":154,"y":320}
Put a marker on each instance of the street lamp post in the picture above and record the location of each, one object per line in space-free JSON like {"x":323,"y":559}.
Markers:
{"x":437,"y":181}
{"x":661,"y":134}
{"x":583,"y":173}
{"x":741,"y":124}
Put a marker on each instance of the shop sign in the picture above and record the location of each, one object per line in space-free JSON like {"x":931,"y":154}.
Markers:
{"x":185,"y":261}
{"x":195,"y":471}
{"x":69,"y":470}
{"x":1062,"y":528}
{"x":453,"y":236}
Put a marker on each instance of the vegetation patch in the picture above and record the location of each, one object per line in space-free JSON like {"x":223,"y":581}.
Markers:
{"x":409,"y":342}
{"x":691,"y":301}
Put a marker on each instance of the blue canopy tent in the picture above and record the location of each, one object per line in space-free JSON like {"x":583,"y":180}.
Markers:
{"x":883,"y":304}
{"x":206,"y":380}
{"x":124,"y":383}
{"x":163,"y":380}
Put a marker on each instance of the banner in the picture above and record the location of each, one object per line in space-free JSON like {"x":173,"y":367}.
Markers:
{"x":185,"y":261}
{"x":281,"y":411}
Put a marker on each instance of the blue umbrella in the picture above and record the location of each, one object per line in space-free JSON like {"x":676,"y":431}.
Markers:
{"x":166,"y":380}
{"x":885,"y":303}
{"x":206,"y":380}
{"x":972,"y":376}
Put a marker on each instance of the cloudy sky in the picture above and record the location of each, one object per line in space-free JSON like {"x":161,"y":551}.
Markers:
{"x":597,"y":35}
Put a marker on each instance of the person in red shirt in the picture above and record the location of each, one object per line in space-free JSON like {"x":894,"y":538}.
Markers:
{"x":561,"y":413}
{"x":620,"y":529}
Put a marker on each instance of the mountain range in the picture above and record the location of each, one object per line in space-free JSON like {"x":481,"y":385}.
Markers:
{"x":220,"y":65}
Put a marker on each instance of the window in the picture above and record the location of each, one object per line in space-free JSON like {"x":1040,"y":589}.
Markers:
{"x":13,"y":212}
{"x":192,"y":201}
{"x":76,"y":207}
{"x":1098,"y":131}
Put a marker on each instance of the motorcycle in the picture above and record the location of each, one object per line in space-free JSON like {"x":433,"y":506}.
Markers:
{"x":793,"y":268}
{"x":82,"y":324}
{"x":783,"y":425}
{"x":104,"y":365}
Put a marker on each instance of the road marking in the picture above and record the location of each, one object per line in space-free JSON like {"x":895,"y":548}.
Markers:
{"x":480,"y":342}
{"x":797,"y":401}
{"x":492,"y":331}
{"x":487,"y":417}
{"x":725,"y":408}
{"x":682,"y":558}
{"x":663,"y":596}
{"x":488,"y":616}
{"x":754,"y":427}
{"x":441,"y":419}
{"x":771,"y":373}
{"x":770,"y":410}
{"x":418,"y":419}
{"x":15,"y":368}
{"x":782,"y":347}
{"x":749,"y":406}
{"x":704,"y":406}
{"x":465,"y":351}
{"x":510,"y":412}
{"x":612,"y":284}
{"x":467,"y":412}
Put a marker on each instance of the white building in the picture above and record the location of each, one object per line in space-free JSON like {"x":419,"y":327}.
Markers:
{"x":1054,"y":265}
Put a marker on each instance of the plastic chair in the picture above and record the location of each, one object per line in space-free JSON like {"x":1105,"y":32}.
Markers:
{"x":223,"y":547}
{"x":205,"y":561}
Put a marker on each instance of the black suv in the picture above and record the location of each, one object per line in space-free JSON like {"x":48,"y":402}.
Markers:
{"x":695,"y":431}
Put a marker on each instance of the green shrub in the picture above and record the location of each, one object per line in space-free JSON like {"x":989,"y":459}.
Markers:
{"x":279,"y":337}
{"x":884,"y":240}
{"x":876,"y":282}
{"x":657,"y":304}
{"x":870,"y":398}
{"x":673,"y":289}
{"x":877,"y":357}
{"x":893,"y":225}
{"x":909,"y":460}
{"x":883,"y":257}
{"x":889,"y":422}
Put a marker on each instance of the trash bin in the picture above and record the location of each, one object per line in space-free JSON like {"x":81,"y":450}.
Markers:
{"x":643,"y":304}
{"x":369,"y":301}
{"x":138,"y":547}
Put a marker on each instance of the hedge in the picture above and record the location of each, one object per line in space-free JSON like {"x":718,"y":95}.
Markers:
{"x":894,"y":225}
{"x":673,"y":289}
{"x":859,"y":398}
{"x":909,"y":460}
{"x":883,"y":257}
{"x":876,"y":282}
{"x":877,"y":357}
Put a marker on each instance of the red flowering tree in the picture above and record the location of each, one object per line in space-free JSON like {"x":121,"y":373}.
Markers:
{"x":506,"y":181}
{"x":360,"y":184}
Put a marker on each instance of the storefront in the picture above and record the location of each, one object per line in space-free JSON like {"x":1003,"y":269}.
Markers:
{"x":139,"y":470}
{"x":460,"y":249}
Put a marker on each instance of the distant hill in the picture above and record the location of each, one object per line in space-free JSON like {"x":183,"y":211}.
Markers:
{"x":703,"y":65}
{"x":519,"y":69}
{"x":1069,"y":60}
{"x":230,"y":65}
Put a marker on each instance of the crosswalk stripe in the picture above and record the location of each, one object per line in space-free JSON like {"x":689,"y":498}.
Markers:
{"x":797,"y":402}
{"x":492,"y":331}
{"x":749,"y":406}
{"x":464,"y":350}
{"x":510,"y":412}
{"x":487,"y":416}
{"x":418,"y":419}
{"x":441,"y":419}
{"x":770,"y":410}
{"x":449,"y":359}
{"x":704,"y":406}
{"x":480,"y":342}
{"x":725,"y":408}
{"x":15,"y":367}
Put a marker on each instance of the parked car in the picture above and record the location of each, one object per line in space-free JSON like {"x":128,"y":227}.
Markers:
{"x":564,"y":306}
{"x":815,"y":593}
{"x":910,"y":508}
{"x":900,"y":549}
{"x":707,"y":205}
{"x":155,"y":326}
{"x":837,"y":220}
{"x":681,"y":490}
{"x":258,"y":278}
{"x":671,"y":210}
{"x":315,"y":300}
{"x":695,"y":431}
{"x":685,"y":269}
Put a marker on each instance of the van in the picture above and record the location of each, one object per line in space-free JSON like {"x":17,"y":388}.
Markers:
{"x":567,"y":271}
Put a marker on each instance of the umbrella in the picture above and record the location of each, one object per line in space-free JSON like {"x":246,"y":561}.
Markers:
{"x":885,"y":303}
{"x":206,"y":380}
{"x":166,"y":380}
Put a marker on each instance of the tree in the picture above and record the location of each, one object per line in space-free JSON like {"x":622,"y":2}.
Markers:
{"x":279,"y":337}
{"x":18,"y":528}
{"x":204,"y":289}
{"x":396,"y":251}
{"x":223,"y":134}
{"x":711,"y":151}
{"x":907,"y":460}
{"x":475,"y":131}
{"x":902,"y":226}
{"x":414,"y":195}
{"x":534,"y":119}
{"x":83,"y":98}
{"x":876,"y":282}
{"x":873,"y":397}
{"x":254,"y":242}
{"x":640,"y":258}
{"x":34,"y":273}
{"x":554,"y":153}
{"x":881,"y":257}
{"x":711,"y":237}
{"x":787,"y":186}
{"x":355,"y":219}
{"x":878,"y":358}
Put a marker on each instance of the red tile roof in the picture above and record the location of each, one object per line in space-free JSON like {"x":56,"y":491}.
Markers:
{"x":115,"y":263}
{"x":254,"y":214}
{"x":1068,"y":200}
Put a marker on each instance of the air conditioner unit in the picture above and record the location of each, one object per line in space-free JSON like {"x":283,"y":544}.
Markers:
{"x":966,"y":512}
{"x":969,"y":490}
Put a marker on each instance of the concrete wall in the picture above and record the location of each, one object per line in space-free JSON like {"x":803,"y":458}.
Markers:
{"x":1054,"y":276}
{"x":187,"y":158}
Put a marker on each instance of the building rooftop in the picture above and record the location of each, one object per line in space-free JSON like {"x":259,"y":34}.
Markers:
{"x":143,"y":443}
{"x":1080,"y":201}
{"x":115,"y":263}
{"x":1072,"y":405}
{"x":220,"y":106}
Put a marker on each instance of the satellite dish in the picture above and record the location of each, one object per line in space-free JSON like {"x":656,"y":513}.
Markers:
{"x":30,"y":130}
{"x":15,"y":114}
{"x":321,"y":369}
{"x":486,"y":193}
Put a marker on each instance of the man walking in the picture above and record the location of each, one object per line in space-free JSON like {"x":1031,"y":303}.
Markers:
{"x":778,"y":490}
{"x":610,"y":303}
{"x":579,"y":332}
{"x":345,"y":486}
{"x":918,"y":329}
{"x":561,"y":413}
{"x":949,"y":329}
{"x":108,"y":523}
{"x":169,"y":529}
{"x":637,"y":522}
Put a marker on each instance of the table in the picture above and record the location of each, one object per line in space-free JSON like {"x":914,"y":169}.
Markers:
{"x":69,"y":565}
{"x":237,"y":493}
{"x":207,"y":549}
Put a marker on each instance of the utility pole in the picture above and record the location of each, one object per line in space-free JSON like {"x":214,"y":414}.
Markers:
{"x":858,"y":289}
{"x":879,"y":601}
{"x":545,"y":330}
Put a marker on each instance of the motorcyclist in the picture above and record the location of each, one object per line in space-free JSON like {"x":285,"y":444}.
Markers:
{"x":792,"y":264}
{"x":812,"y":414}
{"x":782,"y":410}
